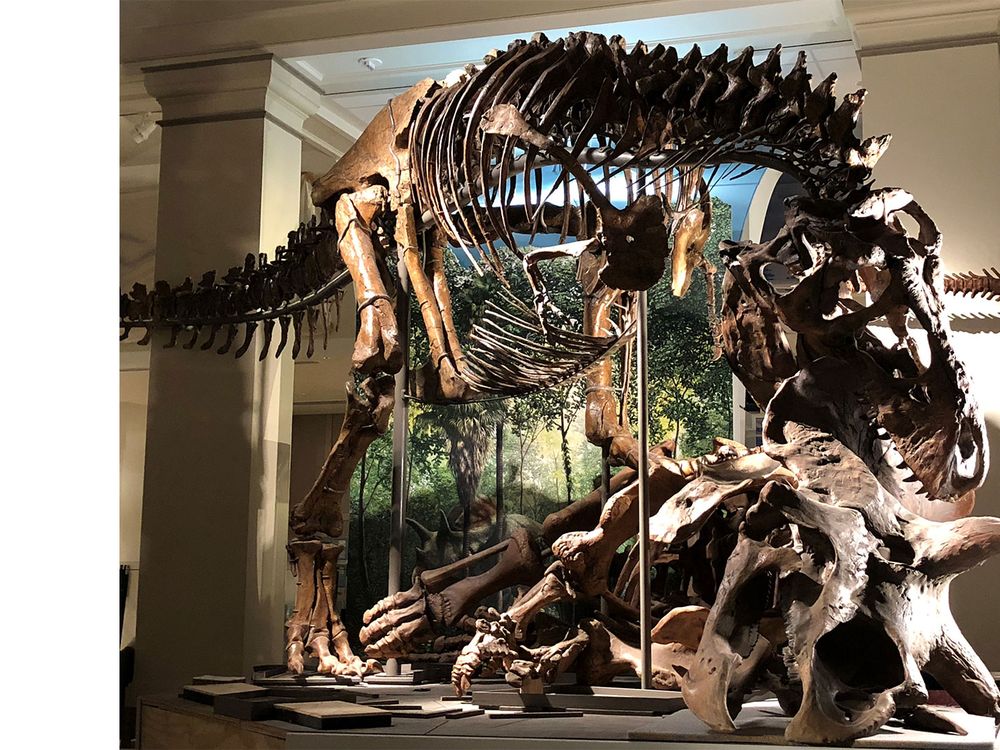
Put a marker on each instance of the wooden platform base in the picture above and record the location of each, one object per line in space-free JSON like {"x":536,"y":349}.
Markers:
{"x":424,"y":720}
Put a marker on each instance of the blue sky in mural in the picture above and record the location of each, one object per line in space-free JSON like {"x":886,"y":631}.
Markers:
{"x":737,"y":191}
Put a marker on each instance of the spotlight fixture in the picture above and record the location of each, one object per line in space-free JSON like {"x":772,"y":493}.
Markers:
{"x":144,"y":128}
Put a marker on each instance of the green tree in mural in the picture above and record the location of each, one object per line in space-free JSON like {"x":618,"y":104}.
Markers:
{"x":690,"y":390}
{"x":449,"y":456}
{"x":526,"y":417}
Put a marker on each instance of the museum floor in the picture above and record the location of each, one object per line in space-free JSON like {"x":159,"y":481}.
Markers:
{"x":493,"y":715}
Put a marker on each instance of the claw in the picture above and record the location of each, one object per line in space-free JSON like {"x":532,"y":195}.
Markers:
{"x":493,"y":645}
{"x":398,"y":624}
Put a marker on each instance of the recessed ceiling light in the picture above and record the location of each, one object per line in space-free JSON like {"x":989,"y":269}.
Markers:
{"x":370,"y":62}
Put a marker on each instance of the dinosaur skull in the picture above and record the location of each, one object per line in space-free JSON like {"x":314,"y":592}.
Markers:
{"x":439,"y":547}
{"x":922,"y":424}
{"x":860,"y":586}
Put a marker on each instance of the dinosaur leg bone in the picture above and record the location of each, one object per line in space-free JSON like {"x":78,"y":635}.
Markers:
{"x":496,"y":641}
{"x":604,"y":424}
{"x":325,"y":627}
{"x":377,"y":344}
{"x":436,"y":313}
{"x":303,"y":560}
{"x":317,"y":520}
{"x":587,"y":555}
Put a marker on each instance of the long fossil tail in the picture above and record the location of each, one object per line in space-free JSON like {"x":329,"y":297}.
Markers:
{"x":986,"y":284}
{"x":299,"y":289}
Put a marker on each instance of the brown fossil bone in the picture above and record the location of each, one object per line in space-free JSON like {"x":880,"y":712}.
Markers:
{"x":314,"y":624}
{"x":596,"y":654}
{"x":985,"y":284}
{"x":693,"y":228}
{"x":862,"y":586}
{"x":818,"y":533}
{"x":919,"y":420}
{"x":607,"y":656}
{"x":399,"y":625}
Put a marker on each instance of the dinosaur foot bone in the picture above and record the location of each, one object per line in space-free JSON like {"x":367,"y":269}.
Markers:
{"x":493,"y":646}
{"x":547,"y":662}
{"x":403,"y":623}
{"x":315,"y":626}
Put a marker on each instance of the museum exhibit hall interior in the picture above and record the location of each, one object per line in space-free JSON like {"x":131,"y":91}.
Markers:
{"x":581,"y":373}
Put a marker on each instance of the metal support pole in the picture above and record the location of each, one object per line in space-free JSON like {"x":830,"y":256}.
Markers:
{"x":501,"y":524}
{"x":501,"y":515}
{"x":605,"y":494}
{"x":400,"y":424}
{"x":605,"y":474}
{"x":642,"y":376}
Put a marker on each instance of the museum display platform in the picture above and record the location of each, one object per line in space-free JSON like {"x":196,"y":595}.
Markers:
{"x":289,"y":713}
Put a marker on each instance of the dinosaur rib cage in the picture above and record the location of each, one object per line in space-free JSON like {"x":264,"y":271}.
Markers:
{"x":648,"y":115}
{"x":653,"y":118}
{"x":645,"y":109}
{"x":509,"y":353}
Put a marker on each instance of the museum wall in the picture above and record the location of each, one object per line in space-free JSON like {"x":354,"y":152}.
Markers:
{"x":943,"y":108}
{"x":312,"y":435}
{"x":137,"y":243}
{"x":131,"y":453}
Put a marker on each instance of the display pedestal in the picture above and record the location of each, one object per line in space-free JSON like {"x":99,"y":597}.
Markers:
{"x":429,"y":718}
{"x":763,"y":723}
{"x":604,"y":700}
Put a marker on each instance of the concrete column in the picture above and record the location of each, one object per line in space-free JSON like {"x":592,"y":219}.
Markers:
{"x":215,"y":489}
{"x":933,"y":75}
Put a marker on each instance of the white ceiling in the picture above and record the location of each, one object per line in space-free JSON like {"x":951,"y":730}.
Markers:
{"x":817,"y":26}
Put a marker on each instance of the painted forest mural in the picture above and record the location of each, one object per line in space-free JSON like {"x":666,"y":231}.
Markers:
{"x":545,"y":460}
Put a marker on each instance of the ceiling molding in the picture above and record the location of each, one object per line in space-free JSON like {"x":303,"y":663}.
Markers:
{"x":905,"y":25}
{"x":178,"y":29}
{"x":133,"y":99}
{"x":233,"y":87}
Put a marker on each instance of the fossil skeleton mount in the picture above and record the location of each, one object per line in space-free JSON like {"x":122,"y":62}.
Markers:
{"x":817,"y":566}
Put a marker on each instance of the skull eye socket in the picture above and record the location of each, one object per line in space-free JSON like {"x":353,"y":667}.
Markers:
{"x":860,"y":655}
{"x":967,"y":440}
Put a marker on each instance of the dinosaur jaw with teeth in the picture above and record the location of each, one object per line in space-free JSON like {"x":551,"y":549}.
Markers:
{"x":905,"y":408}
{"x":896,"y":475}
{"x":930,"y":475}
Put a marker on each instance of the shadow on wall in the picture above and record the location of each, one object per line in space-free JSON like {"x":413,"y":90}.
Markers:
{"x":975,"y":614}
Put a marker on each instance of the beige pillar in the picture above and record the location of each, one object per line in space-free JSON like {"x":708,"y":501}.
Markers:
{"x":215,"y":491}
{"x":933,"y":75}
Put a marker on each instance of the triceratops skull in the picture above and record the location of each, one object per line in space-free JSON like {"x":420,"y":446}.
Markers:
{"x":861,"y":587}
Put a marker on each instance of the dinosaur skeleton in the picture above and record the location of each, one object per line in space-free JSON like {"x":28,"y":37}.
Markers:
{"x":985,"y":284}
{"x":787,"y":555}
